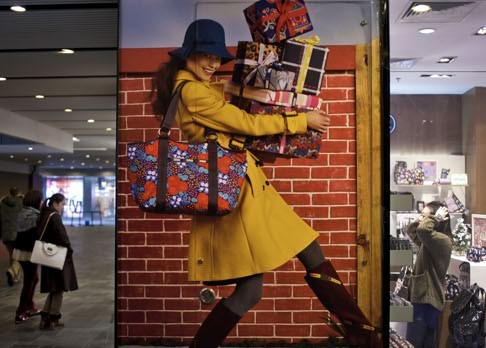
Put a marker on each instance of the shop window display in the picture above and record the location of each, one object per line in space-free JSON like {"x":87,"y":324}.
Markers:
{"x":280,"y":73}
{"x":437,"y":191}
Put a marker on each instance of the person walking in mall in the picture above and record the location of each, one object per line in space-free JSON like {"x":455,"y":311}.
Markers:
{"x":431,"y":232}
{"x":10,"y":207}
{"x":263,"y":232}
{"x":27,"y":223}
{"x":53,"y":281}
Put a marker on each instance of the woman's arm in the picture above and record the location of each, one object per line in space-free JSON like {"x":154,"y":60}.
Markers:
{"x":213,"y":112}
{"x":427,"y":234}
{"x":59,"y":232}
{"x":412,"y":233}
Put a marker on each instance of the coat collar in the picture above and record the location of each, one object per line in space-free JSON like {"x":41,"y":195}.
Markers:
{"x":187,"y":75}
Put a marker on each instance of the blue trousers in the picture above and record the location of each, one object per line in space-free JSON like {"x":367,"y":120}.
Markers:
{"x":422,"y":331}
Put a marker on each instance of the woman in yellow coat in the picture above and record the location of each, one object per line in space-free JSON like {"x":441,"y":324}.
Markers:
{"x":262,"y":232}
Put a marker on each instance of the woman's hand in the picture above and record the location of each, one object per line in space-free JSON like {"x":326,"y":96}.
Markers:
{"x":441,"y":214}
{"x":317,"y":120}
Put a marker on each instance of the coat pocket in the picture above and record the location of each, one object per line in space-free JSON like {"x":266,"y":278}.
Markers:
{"x":419,"y":286}
{"x":256,"y":177}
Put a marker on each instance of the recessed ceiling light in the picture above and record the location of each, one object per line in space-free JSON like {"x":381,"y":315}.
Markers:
{"x":87,"y":156}
{"x":420,"y":8}
{"x":427,"y":31}
{"x":3,"y":79}
{"x":109,"y":129}
{"x":481,"y":31}
{"x":107,"y":161}
{"x":39,"y":96}
{"x":97,"y":159}
{"x":76,"y":139}
{"x":39,"y":161}
{"x":66,"y":51}
{"x":17,"y":8}
{"x":445,"y":60}
{"x":91,"y":120}
{"x":49,"y":156}
{"x":30,"y":148}
{"x":68,"y":110}
{"x":82,"y":163}
{"x":61,"y":159}
{"x":100,"y":167}
{"x":12,"y":156}
{"x":71,"y":167}
{"x":26,"y":159}
{"x":438,"y":76}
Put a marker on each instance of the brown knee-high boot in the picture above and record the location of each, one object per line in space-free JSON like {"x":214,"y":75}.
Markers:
{"x":329,"y":289}
{"x":215,"y":327}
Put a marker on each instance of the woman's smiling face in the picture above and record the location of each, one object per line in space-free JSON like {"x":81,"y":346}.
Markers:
{"x":203,"y":65}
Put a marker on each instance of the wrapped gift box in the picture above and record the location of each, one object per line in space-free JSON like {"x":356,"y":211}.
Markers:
{"x":306,"y":145}
{"x":249,"y":57}
{"x":267,"y":96}
{"x":307,"y":61}
{"x":277,"y":20}
{"x":274,"y":78}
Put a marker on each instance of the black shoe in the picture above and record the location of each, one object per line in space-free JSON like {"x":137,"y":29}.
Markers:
{"x":21,"y":317}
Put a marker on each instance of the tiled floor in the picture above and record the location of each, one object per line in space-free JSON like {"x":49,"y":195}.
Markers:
{"x":88,"y":313}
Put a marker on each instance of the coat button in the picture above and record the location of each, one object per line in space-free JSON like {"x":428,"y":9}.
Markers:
{"x":263,"y":187}
{"x":200,"y":261}
{"x":267,"y":183}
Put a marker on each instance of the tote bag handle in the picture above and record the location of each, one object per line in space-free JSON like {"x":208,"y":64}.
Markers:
{"x":45,"y":226}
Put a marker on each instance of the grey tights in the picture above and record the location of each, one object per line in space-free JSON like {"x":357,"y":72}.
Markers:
{"x":248,"y":290}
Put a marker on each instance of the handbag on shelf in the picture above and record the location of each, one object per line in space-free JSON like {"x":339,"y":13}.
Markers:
{"x":403,"y":282}
{"x":476,"y":254}
{"x":173,"y":177}
{"x":466,"y":322}
{"x":48,"y":254}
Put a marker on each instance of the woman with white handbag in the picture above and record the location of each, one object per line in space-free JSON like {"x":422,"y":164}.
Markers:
{"x":53,"y":240}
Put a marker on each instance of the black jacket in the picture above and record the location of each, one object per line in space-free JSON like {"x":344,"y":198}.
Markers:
{"x":53,"y":280}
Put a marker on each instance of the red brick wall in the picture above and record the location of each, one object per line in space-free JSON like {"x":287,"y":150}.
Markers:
{"x":156,"y":303}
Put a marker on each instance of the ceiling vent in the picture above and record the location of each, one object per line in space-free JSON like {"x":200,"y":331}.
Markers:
{"x":402,"y":63}
{"x":440,"y":12}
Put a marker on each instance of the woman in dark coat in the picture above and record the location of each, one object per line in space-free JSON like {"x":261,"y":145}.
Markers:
{"x":27,"y":223}
{"x":54,"y":281}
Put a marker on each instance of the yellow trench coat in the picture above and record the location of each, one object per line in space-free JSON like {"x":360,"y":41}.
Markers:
{"x":262,"y":232}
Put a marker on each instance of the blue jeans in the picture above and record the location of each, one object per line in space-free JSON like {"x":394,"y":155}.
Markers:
{"x":422,"y":331}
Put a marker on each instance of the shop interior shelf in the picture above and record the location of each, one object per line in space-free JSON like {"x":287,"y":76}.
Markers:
{"x":401,"y":258}
{"x":401,"y":313}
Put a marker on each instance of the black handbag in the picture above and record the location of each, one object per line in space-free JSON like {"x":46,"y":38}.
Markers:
{"x":403,"y":282}
{"x":466,"y":322}
{"x":476,"y":254}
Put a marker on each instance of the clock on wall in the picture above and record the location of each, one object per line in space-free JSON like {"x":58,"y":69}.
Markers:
{"x":392,"y":124}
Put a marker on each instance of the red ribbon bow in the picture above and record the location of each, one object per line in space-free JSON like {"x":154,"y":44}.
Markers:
{"x":284,"y":14}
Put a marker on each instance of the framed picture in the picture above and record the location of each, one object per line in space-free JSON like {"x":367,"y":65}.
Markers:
{"x":420,"y":205}
{"x":429,"y":168}
{"x":478,"y":230}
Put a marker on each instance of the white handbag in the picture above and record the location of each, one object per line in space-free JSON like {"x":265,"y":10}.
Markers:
{"x":47,"y":254}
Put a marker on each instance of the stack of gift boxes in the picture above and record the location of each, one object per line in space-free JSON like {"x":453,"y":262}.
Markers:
{"x":279,"y":74}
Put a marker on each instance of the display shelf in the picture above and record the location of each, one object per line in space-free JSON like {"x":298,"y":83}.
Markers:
{"x":401,"y":314}
{"x":401,"y":258}
{"x":478,"y":269}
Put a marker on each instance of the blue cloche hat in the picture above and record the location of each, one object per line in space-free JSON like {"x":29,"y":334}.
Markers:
{"x":204,"y":36}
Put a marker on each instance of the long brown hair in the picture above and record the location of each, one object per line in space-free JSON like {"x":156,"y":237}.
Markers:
{"x":163,"y":83}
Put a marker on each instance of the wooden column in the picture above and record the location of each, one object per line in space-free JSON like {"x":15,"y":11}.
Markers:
{"x":369,"y":173}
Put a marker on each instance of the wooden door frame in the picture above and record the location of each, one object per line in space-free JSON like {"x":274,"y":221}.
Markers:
{"x":369,"y":169}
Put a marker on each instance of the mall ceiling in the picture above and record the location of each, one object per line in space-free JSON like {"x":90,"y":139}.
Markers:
{"x":455,"y":23}
{"x":76,"y":87}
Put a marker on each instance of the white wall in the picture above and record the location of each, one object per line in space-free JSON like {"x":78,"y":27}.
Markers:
{"x":162,"y":23}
